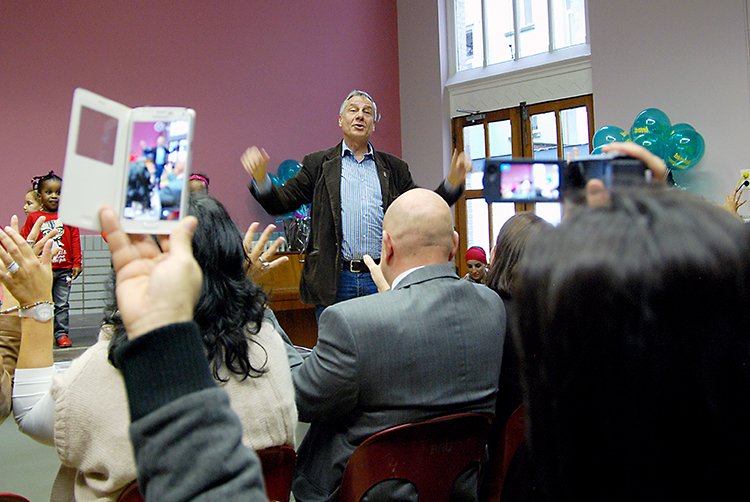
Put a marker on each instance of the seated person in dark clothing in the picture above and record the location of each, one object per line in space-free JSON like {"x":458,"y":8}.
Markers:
{"x":501,"y":278}
{"x":636,"y":353}
{"x":139,"y":186}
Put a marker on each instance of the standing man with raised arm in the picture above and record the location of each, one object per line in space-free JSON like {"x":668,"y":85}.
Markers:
{"x":350,"y":186}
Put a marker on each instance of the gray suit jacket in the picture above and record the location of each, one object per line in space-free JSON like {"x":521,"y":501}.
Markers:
{"x":430,"y":347}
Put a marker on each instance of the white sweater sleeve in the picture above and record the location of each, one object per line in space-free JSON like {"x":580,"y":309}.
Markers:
{"x":33,"y":406}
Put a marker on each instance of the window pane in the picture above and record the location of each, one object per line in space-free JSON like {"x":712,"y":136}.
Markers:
{"x":500,"y":140}
{"x":474,"y":147}
{"x":477,"y":224}
{"x":501,"y":212}
{"x":544,"y":135}
{"x":469,"y":40}
{"x":533,"y":28}
{"x":500,"y":40}
{"x":569,"y":21}
{"x":550,"y":211}
{"x":575,"y":130}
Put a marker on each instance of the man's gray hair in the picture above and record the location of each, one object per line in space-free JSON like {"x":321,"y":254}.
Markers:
{"x":355,"y":92}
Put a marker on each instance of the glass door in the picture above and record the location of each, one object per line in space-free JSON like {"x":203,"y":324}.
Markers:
{"x":543,"y":131}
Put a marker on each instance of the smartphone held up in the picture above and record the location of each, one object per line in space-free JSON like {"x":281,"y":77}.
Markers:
{"x":136,"y":160}
{"x":532,"y":180}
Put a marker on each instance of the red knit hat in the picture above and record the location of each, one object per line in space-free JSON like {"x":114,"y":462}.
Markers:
{"x":476,"y":253}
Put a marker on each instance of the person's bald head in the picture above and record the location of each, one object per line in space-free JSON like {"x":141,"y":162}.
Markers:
{"x":417,"y":230}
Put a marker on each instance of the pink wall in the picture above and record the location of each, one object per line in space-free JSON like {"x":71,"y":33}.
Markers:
{"x":143,"y":131}
{"x":271,"y":74}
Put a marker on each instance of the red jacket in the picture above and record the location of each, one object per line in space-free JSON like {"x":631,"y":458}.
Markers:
{"x":68,"y":238}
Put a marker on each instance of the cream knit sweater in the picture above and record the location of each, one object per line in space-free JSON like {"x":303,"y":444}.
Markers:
{"x":92,"y":417}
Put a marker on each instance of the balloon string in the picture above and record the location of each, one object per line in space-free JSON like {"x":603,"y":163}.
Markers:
{"x":740,"y":183}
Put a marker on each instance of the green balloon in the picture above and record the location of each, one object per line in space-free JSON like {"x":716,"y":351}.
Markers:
{"x":288,"y":169}
{"x":685,"y":149}
{"x":653,"y":143}
{"x":651,"y":120}
{"x":680,"y":127}
{"x":609,"y":134}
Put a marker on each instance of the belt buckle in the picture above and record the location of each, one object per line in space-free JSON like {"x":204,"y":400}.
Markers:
{"x":357,"y":266}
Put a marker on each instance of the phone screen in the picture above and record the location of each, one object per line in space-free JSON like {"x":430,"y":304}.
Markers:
{"x":138,"y":159}
{"x":522,"y":180}
{"x":155,"y":176}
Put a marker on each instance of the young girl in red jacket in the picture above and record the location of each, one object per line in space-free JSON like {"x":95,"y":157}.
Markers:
{"x":66,"y":264}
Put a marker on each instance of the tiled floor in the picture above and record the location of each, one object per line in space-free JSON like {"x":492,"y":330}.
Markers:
{"x":26,"y":467}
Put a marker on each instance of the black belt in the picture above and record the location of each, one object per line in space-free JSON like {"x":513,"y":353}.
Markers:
{"x":356,"y":266}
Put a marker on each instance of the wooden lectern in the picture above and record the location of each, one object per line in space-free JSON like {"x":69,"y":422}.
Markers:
{"x":282,"y":286}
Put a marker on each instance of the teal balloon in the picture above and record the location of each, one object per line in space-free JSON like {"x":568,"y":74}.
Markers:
{"x":275,"y":180}
{"x":609,"y":134}
{"x":681,"y":127}
{"x":288,"y":170}
{"x":597,"y":151}
{"x":653,"y":121}
{"x":685,"y":149}
{"x":653,"y":143}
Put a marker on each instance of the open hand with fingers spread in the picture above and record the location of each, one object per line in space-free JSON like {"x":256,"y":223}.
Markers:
{"x":259,"y":259}
{"x":31,"y":239}
{"x":154,"y":287}
{"x":27,"y":277}
{"x":734,"y":202}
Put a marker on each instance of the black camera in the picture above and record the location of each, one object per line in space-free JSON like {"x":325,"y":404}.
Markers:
{"x":613,"y":170}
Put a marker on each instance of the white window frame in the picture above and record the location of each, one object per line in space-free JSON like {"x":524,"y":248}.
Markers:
{"x":518,"y":64}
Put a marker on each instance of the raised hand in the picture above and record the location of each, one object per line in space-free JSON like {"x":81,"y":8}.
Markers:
{"x":255,"y":162}
{"x":258,"y":259}
{"x":154,"y":287}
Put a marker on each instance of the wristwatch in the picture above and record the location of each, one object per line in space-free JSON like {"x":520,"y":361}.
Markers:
{"x":40,"y":311}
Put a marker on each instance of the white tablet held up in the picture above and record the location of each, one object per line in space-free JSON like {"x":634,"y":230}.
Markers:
{"x":136,"y":160}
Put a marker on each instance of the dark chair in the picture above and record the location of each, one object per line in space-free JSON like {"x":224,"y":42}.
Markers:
{"x":429,"y":454}
{"x":131,"y":493}
{"x":12,"y":497}
{"x":501,"y":455}
{"x":277,"y":463}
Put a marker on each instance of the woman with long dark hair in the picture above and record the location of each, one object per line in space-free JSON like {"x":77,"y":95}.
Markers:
{"x":87,"y":404}
{"x":636,"y":351}
{"x":501,"y":278}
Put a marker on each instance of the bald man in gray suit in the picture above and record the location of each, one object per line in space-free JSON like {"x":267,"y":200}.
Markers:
{"x":430,"y":346}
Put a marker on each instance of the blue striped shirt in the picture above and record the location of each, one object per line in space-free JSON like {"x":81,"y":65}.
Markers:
{"x":361,"y":205}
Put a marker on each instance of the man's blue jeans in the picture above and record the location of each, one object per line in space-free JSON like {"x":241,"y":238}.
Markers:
{"x":351,"y":285}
